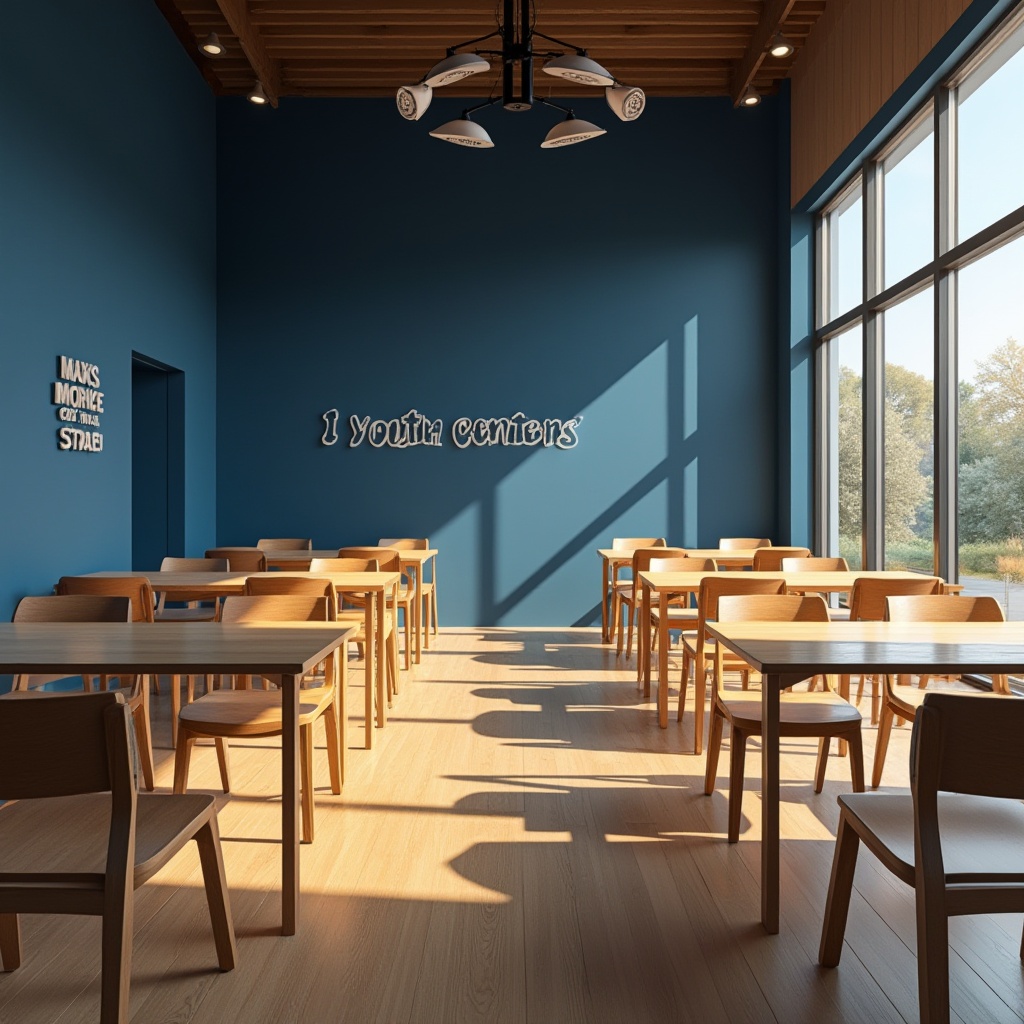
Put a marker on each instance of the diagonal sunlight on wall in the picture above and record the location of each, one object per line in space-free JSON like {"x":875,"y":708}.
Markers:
{"x":621,"y":460}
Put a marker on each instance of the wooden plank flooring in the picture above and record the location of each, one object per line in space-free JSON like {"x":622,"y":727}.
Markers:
{"x":522,"y":844}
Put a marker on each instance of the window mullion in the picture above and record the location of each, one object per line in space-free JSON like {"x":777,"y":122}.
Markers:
{"x":873,"y":536}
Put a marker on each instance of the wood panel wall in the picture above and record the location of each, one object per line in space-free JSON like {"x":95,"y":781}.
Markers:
{"x":859,"y":53}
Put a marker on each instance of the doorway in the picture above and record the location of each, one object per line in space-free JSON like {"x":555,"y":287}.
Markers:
{"x":158,"y":462}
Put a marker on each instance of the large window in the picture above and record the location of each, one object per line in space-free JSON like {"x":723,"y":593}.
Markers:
{"x":921,"y":339}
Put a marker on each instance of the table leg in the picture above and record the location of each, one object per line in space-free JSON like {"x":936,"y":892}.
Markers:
{"x":662,"y":660}
{"x":645,"y":616}
{"x":369,"y":647}
{"x":290,"y":805}
{"x":604,"y":600}
{"x":771,"y":688}
{"x":381,"y":659}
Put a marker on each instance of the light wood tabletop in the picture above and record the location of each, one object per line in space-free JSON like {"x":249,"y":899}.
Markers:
{"x":669,"y":584}
{"x":194,"y":648}
{"x":787,"y":652}
{"x":413,"y":562}
{"x":615,"y":558}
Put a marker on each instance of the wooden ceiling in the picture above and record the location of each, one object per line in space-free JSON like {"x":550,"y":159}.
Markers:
{"x":343,"y":48}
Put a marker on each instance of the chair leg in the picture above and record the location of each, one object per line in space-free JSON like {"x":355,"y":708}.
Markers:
{"x":145,"y":740}
{"x":932,"y":953}
{"x":222,"y":762}
{"x":175,"y":708}
{"x":737,"y":758}
{"x":856,"y":760}
{"x":407,"y":617}
{"x":824,"y":742}
{"x":616,"y":621}
{"x":333,"y":747}
{"x":714,"y":749}
{"x":10,"y":942}
{"x":630,"y":622}
{"x":840,"y":888}
{"x":433,"y":604}
{"x":182,"y":757}
{"x":881,"y":744}
{"x":116,"y":950}
{"x":306,"y":781}
{"x":391,"y":656}
{"x":683,"y":683}
{"x":212,"y":861}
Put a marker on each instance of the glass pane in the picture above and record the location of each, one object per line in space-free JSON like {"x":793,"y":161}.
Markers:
{"x":990,"y":145}
{"x":845,"y":233}
{"x":908,"y":183}
{"x":848,"y":487}
{"x":991,"y":424}
{"x":909,"y":434}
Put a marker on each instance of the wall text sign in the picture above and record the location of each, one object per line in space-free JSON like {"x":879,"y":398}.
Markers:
{"x":79,"y":401}
{"x":414,"y":429}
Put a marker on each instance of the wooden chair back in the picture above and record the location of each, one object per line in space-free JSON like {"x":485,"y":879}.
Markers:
{"x":279,"y":583}
{"x":275,"y":608}
{"x":73,"y":608}
{"x":388,"y":559}
{"x":173,"y":564}
{"x":135,"y":588}
{"x":683,"y":563}
{"x":815,"y":565}
{"x":769,"y":559}
{"x":241,"y":559}
{"x":285,"y":544}
{"x":743,"y":543}
{"x":867,"y":600}
{"x":772,"y":608}
{"x":629,"y":543}
{"x":712,"y":590}
{"x":405,"y":543}
{"x":344,"y":565}
{"x":943,"y":608}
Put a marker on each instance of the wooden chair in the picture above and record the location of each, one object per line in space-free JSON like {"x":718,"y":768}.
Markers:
{"x":743,"y":543}
{"x":78,"y":839}
{"x":428,"y":588}
{"x":400,"y":599}
{"x":194,"y":610}
{"x":800,"y":714}
{"x":697,"y":647}
{"x":140,"y":594}
{"x":628,"y":598}
{"x":820,"y":564}
{"x":626,"y":544}
{"x":225,"y":714}
{"x":904,"y":701}
{"x":241,"y":559}
{"x":769,"y":559}
{"x":957,"y":837}
{"x":682,"y":611}
{"x":867,"y":604}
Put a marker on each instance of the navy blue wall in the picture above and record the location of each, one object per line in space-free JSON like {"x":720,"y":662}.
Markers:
{"x":366,"y":267}
{"x":107,"y":201}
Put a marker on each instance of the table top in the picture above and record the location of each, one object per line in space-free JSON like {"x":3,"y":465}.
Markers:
{"x":228,"y":584}
{"x":815,"y":582}
{"x":745,"y":555}
{"x":413,"y":557}
{"x":845,"y":648}
{"x":175,"y":648}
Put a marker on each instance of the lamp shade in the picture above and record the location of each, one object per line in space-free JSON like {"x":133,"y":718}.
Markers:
{"x":257,"y":95}
{"x":627,"y":101}
{"x":578,"y":69}
{"x":750,"y":98}
{"x":780,"y":46}
{"x":413,"y":101}
{"x":212,"y":45}
{"x":569,"y":132}
{"x":454,"y":68}
{"x":464,"y":132}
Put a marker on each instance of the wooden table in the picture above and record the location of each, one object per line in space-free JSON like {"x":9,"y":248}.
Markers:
{"x":413,"y":563}
{"x":194,"y":648}
{"x":228,"y":584}
{"x":614,"y":558}
{"x":786,"y":652}
{"x":670,"y":584}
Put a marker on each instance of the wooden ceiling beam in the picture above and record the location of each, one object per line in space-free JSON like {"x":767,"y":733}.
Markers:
{"x":390,"y":11}
{"x":266,"y":69}
{"x":773,"y":15}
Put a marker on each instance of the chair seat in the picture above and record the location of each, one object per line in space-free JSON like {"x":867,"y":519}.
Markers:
{"x":796,"y":710}
{"x":909,"y":698}
{"x":200,"y":614}
{"x":676,"y":614}
{"x":839,"y":614}
{"x":249,"y":712}
{"x":980,"y":834}
{"x":70,"y":833}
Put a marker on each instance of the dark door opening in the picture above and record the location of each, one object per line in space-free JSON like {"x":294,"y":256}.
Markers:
{"x":158,"y":462}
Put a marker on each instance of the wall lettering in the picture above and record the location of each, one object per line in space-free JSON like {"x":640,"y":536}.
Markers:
{"x":414,"y":428}
{"x":79,"y":401}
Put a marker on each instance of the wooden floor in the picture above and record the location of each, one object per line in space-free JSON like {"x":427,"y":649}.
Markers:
{"x":522,"y":844}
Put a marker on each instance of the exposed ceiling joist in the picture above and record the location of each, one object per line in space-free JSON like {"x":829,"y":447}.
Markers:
{"x":773,"y":15}
{"x":264,"y":67}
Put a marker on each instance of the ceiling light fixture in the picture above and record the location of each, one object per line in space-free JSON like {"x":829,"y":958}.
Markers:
{"x":780,"y":46}
{"x":750,"y":98}
{"x":213,"y":46}
{"x":257,"y":95}
{"x":517,"y":35}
